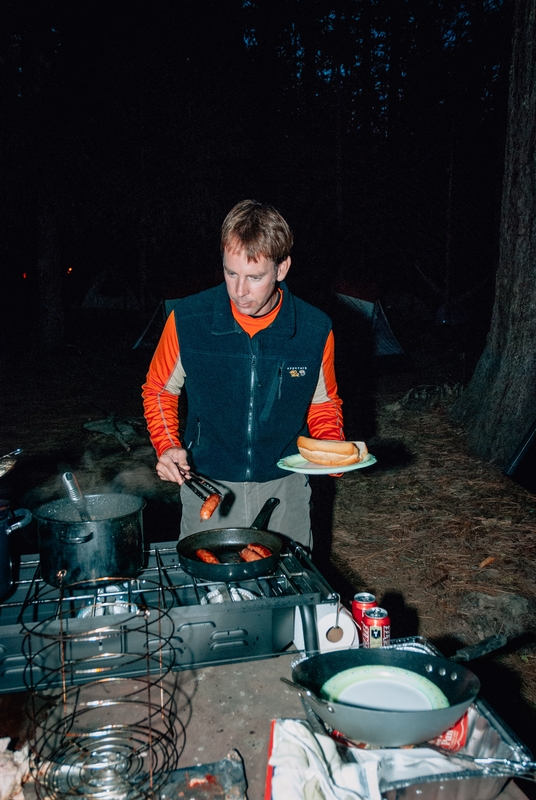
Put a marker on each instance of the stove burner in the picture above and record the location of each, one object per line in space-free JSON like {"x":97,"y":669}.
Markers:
{"x":203,"y":632}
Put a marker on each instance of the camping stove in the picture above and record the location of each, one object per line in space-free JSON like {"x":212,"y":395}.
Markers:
{"x":205,"y":623}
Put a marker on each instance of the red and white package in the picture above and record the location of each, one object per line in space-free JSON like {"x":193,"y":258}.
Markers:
{"x":456,"y":737}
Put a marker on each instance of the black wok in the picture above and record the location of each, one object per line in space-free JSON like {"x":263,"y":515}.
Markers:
{"x":226,"y":544}
{"x":392,"y":728}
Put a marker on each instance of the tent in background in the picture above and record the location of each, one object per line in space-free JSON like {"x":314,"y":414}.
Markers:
{"x":110,"y":292}
{"x":153,"y":330}
{"x":365,"y":347}
{"x":366,"y":316}
{"x":384,"y":342}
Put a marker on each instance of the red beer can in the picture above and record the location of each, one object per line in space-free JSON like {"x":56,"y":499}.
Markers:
{"x":376,"y":628}
{"x":361,"y":603}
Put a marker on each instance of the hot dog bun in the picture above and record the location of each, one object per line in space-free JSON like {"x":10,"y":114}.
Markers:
{"x":331,"y":453}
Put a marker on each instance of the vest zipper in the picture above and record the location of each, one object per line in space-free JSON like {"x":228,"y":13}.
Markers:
{"x":249,"y":432}
{"x":274,"y":392}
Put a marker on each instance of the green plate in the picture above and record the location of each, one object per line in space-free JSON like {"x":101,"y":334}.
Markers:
{"x":384,"y":688}
{"x":298,"y":463}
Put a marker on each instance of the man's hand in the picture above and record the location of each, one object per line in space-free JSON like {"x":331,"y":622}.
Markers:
{"x":169,"y":464}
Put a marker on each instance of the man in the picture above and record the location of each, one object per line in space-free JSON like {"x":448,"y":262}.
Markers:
{"x":257,"y":366}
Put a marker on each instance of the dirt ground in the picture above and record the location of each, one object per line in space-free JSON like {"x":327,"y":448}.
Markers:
{"x":444,"y":540}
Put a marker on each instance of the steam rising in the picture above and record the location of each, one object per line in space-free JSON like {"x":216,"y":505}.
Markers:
{"x":130,"y":472}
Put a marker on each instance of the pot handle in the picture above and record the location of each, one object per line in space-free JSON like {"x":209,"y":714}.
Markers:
{"x":75,"y":539}
{"x":260,"y":521}
{"x":21,"y":523}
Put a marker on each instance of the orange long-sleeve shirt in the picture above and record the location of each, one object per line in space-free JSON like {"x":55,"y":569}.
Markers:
{"x":166,"y":378}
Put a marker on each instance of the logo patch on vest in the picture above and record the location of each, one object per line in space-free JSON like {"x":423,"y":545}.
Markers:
{"x":297,"y":372}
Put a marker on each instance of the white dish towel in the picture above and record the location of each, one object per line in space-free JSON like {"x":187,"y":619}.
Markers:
{"x":307,"y":766}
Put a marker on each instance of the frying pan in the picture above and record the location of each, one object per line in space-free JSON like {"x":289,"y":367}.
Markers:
{"x":384,"y":727}
{"x":226,"y":544}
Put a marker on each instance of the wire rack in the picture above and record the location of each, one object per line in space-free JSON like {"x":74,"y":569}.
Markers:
{"x":101,"y":693}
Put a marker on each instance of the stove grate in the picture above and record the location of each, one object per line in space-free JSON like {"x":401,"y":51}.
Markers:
{"x":202,"y":632}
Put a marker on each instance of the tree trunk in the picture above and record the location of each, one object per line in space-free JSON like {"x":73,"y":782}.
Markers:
{"x":499,"y":405}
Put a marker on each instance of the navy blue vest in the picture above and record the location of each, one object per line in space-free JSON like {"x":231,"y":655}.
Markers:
{"x":247,"y":397}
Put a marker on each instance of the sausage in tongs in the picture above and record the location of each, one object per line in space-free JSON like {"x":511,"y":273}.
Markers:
{"x":200,"y":486}
{"x":210,"y":505}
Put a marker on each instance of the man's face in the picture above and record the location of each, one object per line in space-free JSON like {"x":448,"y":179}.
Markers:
{"x":252,"y":284}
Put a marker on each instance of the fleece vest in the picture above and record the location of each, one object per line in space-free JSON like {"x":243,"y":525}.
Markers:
{"x":247,"y":398}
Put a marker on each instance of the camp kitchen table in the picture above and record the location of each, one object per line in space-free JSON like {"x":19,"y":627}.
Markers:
{"x":229,"y":689}
{"x":232,"y":707}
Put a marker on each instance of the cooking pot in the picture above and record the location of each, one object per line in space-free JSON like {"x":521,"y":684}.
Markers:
{"x":8,"y":524}
{"x":226,"y":544}
{"x":110,"y":545}
{"x":386,"y":727}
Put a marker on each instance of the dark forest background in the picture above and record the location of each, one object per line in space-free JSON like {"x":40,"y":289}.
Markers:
{"x":376,"y":126}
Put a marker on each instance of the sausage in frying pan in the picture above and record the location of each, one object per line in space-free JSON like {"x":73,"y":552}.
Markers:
{"x":206,"y":556}
{"x":260,"y":549}
{"x":255,"y":552}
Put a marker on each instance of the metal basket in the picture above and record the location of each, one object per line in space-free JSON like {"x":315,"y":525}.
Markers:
{"x":101,"y":696}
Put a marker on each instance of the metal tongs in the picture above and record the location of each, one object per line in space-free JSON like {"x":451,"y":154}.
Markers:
{"x":199,"y":486}
{"x":76,"y":496}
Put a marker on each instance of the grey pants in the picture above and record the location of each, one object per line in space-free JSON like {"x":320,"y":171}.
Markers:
{"x":243,"y":501}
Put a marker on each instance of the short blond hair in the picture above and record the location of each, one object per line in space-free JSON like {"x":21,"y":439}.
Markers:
{"x":259,"y":230}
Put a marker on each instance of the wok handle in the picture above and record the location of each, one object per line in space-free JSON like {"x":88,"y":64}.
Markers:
{"x":480,"y":649}
{"x":304,"y":692}
{"x":260,"y":521}
{"x":313,"y":719}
